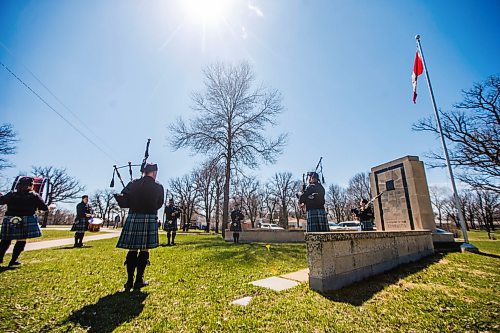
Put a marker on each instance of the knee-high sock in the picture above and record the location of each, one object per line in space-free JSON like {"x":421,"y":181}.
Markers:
{"x":131,"y":263}
{"x":142,"y":262}
{"x":18,"y":248}
{"x":173,"y":236}
{"x":4,"y":246}
{"x":77,"y":237}
{"x":169,"y":233}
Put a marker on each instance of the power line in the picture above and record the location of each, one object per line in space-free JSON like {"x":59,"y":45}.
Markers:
{"x":53,"y":95}
{"x":59,"y":114}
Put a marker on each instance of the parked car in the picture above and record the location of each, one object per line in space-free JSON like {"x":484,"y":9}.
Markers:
{"x":350,"y":226}
{"x":334,"y":226}
{"x":272,"y":226}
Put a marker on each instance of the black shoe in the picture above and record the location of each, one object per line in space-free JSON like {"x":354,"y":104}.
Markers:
{"x":14,"y":263}
{"x":173,"y":244}
{"x":139,"y":284}
{"x":128,"y":285}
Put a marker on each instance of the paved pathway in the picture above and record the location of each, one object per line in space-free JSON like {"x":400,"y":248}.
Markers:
{"x":276,"y":283}
{"x":66,"y":241}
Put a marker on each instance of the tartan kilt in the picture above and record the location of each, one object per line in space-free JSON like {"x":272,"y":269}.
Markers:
{"x":80,"y":225}
{"x":317,"y":221}
{"x":172,"y":226}
{"x":140,"y":231}
{"x":27,"y":228}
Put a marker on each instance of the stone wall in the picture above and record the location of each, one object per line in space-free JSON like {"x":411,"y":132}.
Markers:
{"x":268,"y":236}
{"x":339,"y":259}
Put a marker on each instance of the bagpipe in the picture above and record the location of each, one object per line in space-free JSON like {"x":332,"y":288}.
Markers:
{"x":129,"y":165}
{"x":40,"y":185}
{"x":317,"y":171}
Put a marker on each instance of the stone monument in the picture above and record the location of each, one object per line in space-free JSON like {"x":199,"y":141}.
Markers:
{"x":405,"y":202}
{"x":405,"y":230}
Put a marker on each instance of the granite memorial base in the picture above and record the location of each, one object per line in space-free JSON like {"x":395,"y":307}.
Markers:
{"x":338,"y":259}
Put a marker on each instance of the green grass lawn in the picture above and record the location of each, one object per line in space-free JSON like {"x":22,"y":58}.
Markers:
{"x":192,"y":285}
{"x":48,"y":234}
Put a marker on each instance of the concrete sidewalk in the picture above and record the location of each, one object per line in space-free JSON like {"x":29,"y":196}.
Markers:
{"x":64,"y":241}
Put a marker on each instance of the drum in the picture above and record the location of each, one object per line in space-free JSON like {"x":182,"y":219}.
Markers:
{"x":40,"y":186}
{"x":95,"y":224}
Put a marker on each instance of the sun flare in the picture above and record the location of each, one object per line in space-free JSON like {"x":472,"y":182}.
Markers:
{"x":206,"y":11}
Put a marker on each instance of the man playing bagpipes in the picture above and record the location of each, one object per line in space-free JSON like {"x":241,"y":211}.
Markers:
{"x":313,"y":198}
{"x":170,"y":225}
{"x":143,"y":197}
{"x":236,"y":218}
{"x":20,"y":221}
{"x":81,"y":224}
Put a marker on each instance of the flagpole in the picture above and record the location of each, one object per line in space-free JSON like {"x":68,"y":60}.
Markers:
{"x":458,"y":206}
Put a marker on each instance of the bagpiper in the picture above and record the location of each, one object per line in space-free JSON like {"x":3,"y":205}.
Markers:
{"x":20,"y":221}
{"x":313,"y":198}
{"x":172,"y":212}
{"x":83,"y":215}
{"x":143,"y":197}
{"x":236,"y":218}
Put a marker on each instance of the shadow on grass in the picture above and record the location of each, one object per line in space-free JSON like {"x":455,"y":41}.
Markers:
{"x":491,"y":255}
{"x":7,"y":268}
{"x":109,"y":312}
{"x":74,"y":248}
{"x":359,"y":292}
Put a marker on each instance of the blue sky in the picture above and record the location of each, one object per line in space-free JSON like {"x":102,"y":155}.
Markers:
{"x":127,"y":68}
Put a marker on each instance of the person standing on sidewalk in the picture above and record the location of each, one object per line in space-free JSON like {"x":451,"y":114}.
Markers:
{"x":143,"y":197}
{"x":83,"y":214}
{"x":20,"y":221}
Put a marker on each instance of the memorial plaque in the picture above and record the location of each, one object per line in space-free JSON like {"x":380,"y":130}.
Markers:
{"x":405,"y":202}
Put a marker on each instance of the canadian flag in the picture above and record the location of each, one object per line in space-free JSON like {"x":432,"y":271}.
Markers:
{"x":418,"y":68}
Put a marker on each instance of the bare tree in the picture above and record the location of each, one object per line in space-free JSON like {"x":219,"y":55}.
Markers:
{"x":249,"y":188}
{"x":439,"y":195}
{"x":204,"y":179}
{"x":488,"y":207}
{"x":231,"y":123}
{"x":8,"y":140}
{"x":103,"y":202}
{"x":184,"y":189}
{"x":473,"y":129}
{"x":359,"y":187}
{"x":282,"y":187}
{"x":63,"y":187}
{"x":271,"y":201}
{"x":337,"y":202}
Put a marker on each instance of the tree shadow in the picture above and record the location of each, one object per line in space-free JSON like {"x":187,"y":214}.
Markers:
{"x":109,"y":312}
{"x":359,"y":292}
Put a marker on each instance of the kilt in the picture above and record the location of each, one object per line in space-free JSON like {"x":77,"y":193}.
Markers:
{"x":170,"y":226}
{"x":27,"y":228}
{"x":317,"y":221}
{"x":140,"y":231}
{"x":80,"y":225}
{"x":367,"y":225}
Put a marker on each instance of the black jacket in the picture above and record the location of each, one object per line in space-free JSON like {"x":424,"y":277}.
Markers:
{"x":82,"y":209}
{"x":22,"y":203}
{"x":142,"y":195}
{"x":169,"y":213}
{"x":236,"y":218}
{"x":313,"y":197}
{"x":365,"y":214}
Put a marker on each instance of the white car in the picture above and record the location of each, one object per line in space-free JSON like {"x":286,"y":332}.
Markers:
{"x":271,"y":226}
{"x":350,"y":226}
{"x":334,"y":226}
